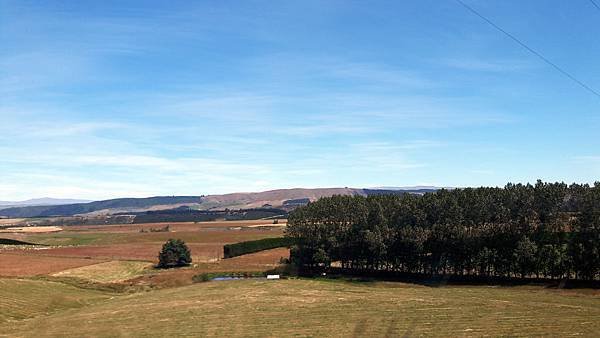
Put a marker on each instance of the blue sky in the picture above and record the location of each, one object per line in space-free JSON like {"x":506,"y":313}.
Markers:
{"x":102,"y":99}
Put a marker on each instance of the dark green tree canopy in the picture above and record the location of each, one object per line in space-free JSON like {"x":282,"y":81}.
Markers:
{"x":543,"y":230}
{"x":174,"y":253}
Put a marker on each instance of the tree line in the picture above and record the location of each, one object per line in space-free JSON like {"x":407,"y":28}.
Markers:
{"x":546,"y":230}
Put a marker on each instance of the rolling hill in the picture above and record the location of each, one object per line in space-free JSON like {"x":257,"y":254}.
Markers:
{"x":107,"y":206}
{"x":287,"y":199}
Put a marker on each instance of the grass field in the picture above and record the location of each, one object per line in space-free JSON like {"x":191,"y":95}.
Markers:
{"x":23,"y":299}
{"x":299,"y":308}
{"x":99,"y":281}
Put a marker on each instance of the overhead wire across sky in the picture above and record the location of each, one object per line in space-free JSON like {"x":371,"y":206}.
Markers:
{"x":531,"y":50}
{"x":595,"y":4}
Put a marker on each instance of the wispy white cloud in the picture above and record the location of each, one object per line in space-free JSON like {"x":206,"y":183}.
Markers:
{"x":472,"y":64}
{"x":178,"y":165}
{"x":212,"y":105}
{"x":385,"y":146}
{"x":367,"y":75}
{"x":57,"y":129}
{"x":375,"y":73}
{"x":318,"y":114}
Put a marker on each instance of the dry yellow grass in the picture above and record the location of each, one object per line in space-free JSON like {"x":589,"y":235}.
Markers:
{"x":321,"y":309}
{"x":22,"y":299}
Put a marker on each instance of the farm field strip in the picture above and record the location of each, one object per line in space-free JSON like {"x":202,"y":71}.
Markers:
{"x":33,"y":229}
{"x":175,"y":226}
{"x":93,"y":237}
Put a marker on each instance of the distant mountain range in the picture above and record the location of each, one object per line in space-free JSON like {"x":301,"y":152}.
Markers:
{"x":287,"y":199}
{"x":41,"y":201}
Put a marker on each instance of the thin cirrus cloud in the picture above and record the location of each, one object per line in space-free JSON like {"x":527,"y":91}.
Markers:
{"x":483,"y":65}
{"x":291,"y":68}
{"x":335,"y":112}
{"x":179,"y":165}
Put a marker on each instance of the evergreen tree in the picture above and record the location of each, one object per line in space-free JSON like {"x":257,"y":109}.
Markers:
{"x":545,"y":230}
{"x":174,"y":253}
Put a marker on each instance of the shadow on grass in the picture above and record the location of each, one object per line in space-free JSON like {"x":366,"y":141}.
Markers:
{"x":369,"y":276}
{"x":8,"y":241}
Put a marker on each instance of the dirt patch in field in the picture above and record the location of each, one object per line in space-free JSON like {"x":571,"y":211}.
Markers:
{"x":31,"y":229}
{"x":25,"y":264}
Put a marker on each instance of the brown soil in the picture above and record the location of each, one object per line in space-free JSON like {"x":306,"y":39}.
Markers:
{"x":24,"y":264}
